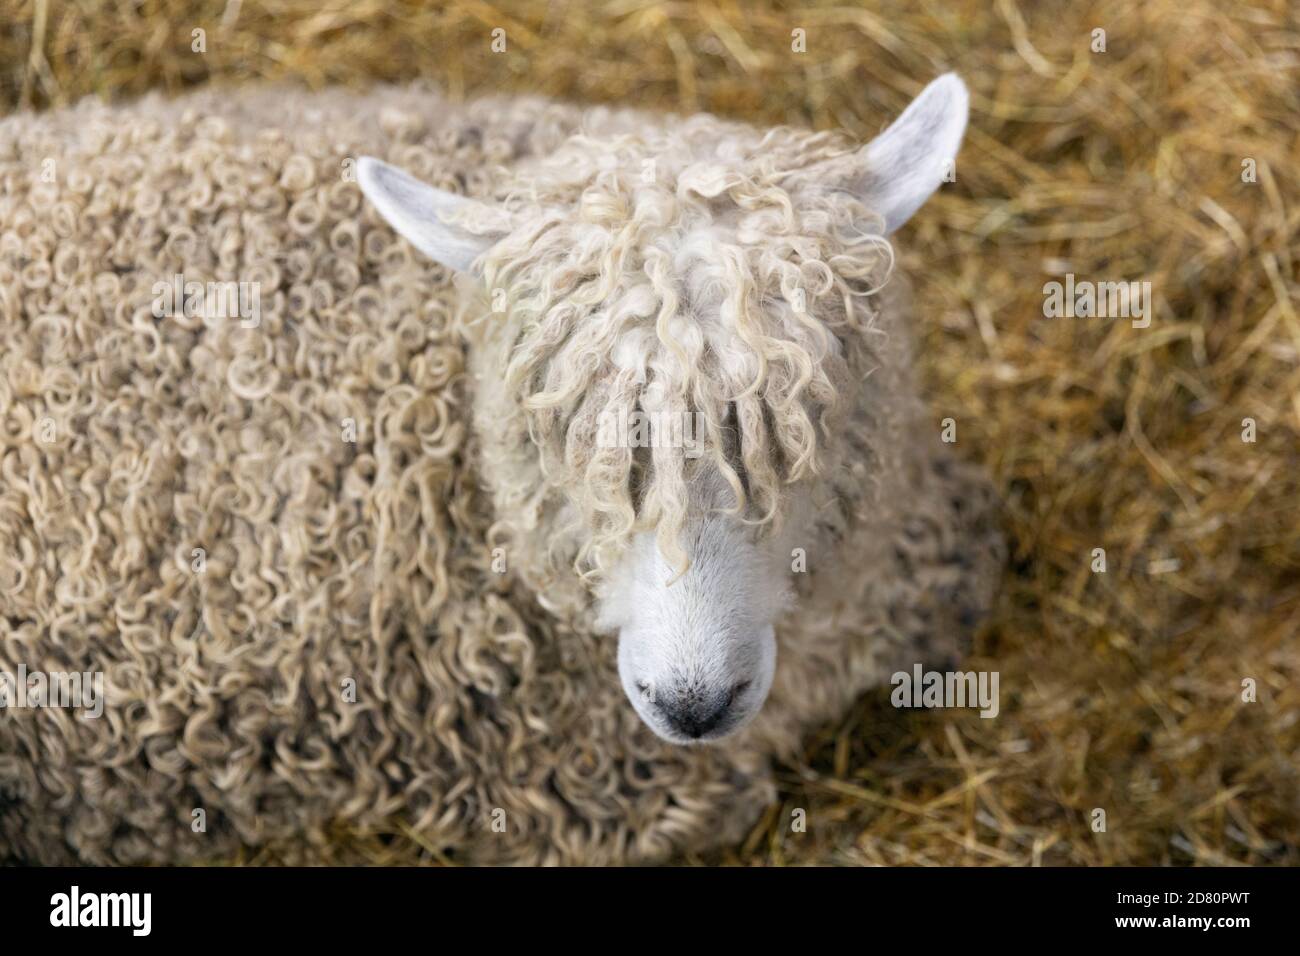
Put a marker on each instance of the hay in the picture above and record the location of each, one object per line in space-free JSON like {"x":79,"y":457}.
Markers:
{"x":1121,"y":691}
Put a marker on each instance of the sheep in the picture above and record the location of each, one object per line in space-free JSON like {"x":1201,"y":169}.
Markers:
{"x":351,"y":526}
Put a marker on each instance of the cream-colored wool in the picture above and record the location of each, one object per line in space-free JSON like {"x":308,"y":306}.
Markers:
{"x":400,"y":625}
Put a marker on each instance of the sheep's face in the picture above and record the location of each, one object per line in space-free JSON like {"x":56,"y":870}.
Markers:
{"x":697,"y":652}
{"x":681,"y":323}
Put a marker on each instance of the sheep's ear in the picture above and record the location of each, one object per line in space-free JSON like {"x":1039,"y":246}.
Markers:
{"x":897,"y":171}
{"x":418,"y":212}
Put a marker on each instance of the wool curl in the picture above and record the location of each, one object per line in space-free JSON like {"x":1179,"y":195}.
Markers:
{"x":681,"y":275}
{"x":274,"y":542}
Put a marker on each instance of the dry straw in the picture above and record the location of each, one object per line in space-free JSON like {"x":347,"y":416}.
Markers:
{"x":1168,"y":158}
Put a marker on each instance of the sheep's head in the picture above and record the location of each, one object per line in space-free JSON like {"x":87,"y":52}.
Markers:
{"x":680,"y":334}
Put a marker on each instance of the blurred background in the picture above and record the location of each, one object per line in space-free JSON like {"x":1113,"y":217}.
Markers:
{"x":1164,"y":149}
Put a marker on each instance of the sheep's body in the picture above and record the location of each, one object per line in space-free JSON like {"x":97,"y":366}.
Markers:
{"x":354,"y":650}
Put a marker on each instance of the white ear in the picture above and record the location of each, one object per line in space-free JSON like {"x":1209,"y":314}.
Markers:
{"x":416,"y":211}
{"x":896,"y":172}
{"x":908,"y":161}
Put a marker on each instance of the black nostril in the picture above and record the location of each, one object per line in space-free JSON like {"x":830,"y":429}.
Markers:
{"x":738,"y":690}
{"x":694,"y":722}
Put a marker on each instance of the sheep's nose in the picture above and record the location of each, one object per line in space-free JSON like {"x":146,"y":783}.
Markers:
{"x":693,"y":718}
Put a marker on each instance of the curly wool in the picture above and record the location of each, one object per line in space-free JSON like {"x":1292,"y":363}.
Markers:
{"x":350,"y":648}
{"x":626,"y":292}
